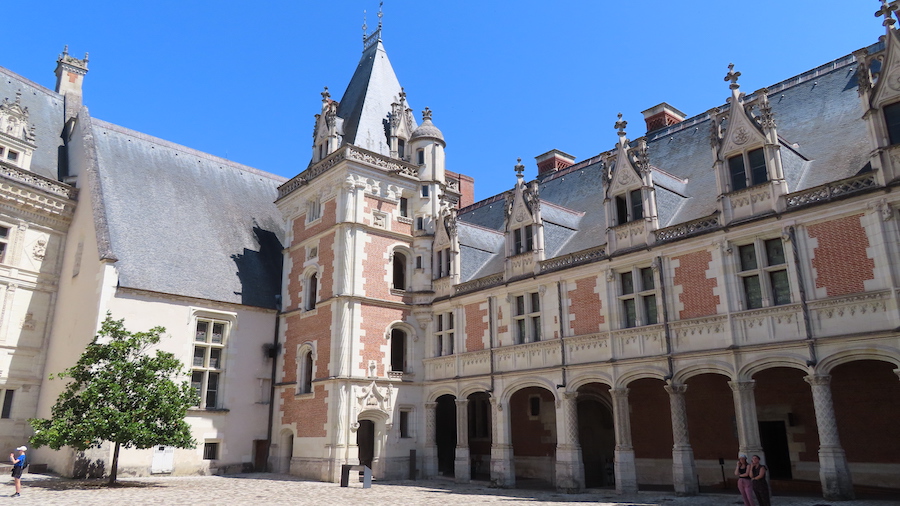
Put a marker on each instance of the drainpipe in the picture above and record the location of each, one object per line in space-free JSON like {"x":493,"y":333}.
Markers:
{"x":810,"y":341}
{"x":665,"y":316}
{"x":491,"y":328}
{"x":273,"y":354}
{"x":562,"y":345}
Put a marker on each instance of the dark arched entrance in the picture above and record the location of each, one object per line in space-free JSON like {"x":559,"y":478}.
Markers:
{"x":532,"y":412}
{"x":365,"y":440}
{"x":445,"y":433}
{"x":480,"y":435}
{"x":596,"y":436}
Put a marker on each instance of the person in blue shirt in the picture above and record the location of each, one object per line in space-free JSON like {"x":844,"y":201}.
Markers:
{"x":19,"y":463}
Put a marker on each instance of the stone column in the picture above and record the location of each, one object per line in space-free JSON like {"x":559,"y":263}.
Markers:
{"x":745,"y":417}
{"x":462,"y":470}
{"x":569,"y":466}
{"x":503,"y":472}
{"x":430,"y":462}
{"x":626,"y":475}
{"x":684,"y":474}
{"x":834,"y":473}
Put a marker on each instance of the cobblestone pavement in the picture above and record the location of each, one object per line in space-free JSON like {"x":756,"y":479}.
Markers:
{"x":263,"y":489}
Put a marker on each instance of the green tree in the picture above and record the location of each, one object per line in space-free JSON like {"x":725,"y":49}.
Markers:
{"x":119,"y":392}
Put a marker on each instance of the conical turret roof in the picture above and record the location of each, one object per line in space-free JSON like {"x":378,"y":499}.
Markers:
{"x":366,"y":104}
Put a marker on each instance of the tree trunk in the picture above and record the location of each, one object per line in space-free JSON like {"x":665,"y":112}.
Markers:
{"x":114,"y":469}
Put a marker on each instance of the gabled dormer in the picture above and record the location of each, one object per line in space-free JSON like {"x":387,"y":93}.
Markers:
{"x":524,"y":228}
{"x":747,"y":155}
{"x":446,"y":250}
{"x":630,"y":199}
{"x":401,"y":126}
{"x":881,"y":97}
{"x":16,"y":134}
{"x":328,"y":130}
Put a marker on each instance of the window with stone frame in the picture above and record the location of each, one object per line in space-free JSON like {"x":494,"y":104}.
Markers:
{"x":399,"y":271}
{"x":444,"y":334}
{"x":638,"y":297}
{"x":403,"y":208}
{"x":762,"y":269}
{"x":211,"y":450}
{"x":892,"y":121}
{"x":747,"y":169}
{"x":305,"y":370}
{"x":443,"y":261}
{"x":310,"y":291}
{"x":405,"y":427}
{"x":527,"y":317}
{"x":313,"y":209}
{"x":523,"y":240}
{"x":398,"y":350}
{"x":8,"y":395}
{"x":4,"y":242}
{"x":208,"y":367}
{"x":629,"y":206}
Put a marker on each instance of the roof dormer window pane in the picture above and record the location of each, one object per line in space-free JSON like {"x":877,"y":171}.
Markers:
{"x":892,"y":119}
{"x":738,"y":173}
{"x":758,"y":172}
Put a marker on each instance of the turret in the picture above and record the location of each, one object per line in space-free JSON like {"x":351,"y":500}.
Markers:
{"x":427,"y":143}
{"x":70,"y":72}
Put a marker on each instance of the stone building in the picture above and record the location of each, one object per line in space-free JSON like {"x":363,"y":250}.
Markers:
{"x":726,"y":282}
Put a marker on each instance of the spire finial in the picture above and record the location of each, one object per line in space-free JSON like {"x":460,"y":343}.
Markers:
{"x":733,"y":77}
{"x":380,"y":13}
{"x":426,"y":114}
{"x":620,"y":126}
{"x":520,"y":169}
{"x":326,"y":95}
{"x":65,"y":50}
{"x":886,"y":10}
{"x":365,"y":26}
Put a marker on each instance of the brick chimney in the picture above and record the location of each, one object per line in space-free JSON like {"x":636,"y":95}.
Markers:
{"x":70,"y":73}
{"x":661,"y":116}
{"x":553,"y":160}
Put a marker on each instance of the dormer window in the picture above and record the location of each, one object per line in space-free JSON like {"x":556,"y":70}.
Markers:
{"x":443,"y":261}
{"x":401,"y":148}
{"x":747,"y":169}
{"x":892,"y":119}
{"x":523,"y":240}
{"x":629,"y":207}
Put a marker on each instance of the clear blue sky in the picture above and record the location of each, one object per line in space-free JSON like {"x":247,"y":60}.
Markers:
{"x":505,"y":79}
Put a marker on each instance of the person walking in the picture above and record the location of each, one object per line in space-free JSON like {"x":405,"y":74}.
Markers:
{"x":19,"y":462}
{"x":745,"y":487}
{"x":760,"y":483}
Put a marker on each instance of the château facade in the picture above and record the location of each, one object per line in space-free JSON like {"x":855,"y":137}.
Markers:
{"x":719,"y":283}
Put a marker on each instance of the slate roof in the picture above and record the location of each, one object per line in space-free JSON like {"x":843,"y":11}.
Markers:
{"x":818,"y":117}
{"x":366,"y":102}
{"x":188,"y":223}
{"x":46,"y":111}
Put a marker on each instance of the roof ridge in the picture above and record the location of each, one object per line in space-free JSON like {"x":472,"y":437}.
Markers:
{"x":184,"y":149}
{"x":25,"y":80}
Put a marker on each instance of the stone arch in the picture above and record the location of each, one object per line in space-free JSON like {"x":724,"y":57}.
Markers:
{"x":400,"y":363}
{"x":440,"y":392}
{"x":474,"y":388}
{"x":310,"y":281}
{"x":750,"y":369}
{"x":645,"y":373}
{"x":285,"y":450}
{"x":540,"y":382}
{"x":578,"y":380}
{"x":713,"y":367}
{"x":406,"y":266}
{"x":878,"y":353}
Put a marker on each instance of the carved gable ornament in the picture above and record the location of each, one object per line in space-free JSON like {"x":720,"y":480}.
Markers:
{"x":887,"y":87}
{"x":14,"y":119}
{"x":740,"y":132}
{"x":373,"y":398}
{"x":625,"y":174}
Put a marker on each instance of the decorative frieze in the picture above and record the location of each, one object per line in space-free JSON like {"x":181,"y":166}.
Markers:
{"x":691,"y":228}
{"x":573,"y":259}
{"x":833,"y":190}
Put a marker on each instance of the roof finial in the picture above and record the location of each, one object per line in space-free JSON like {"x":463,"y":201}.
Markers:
{"x":326,"y":95}
{"x":365,"y":26}
{"x":65,"y":50}
{"x":380,"y":13}
{"x":426,"y":114}
{"x":733,"y":77}
{"x":886,"y":10}
{"x":620,"y":126}
{"x":520,"y":169}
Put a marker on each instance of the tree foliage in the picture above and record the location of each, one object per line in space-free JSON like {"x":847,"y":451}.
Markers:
{"x":121,"y":393}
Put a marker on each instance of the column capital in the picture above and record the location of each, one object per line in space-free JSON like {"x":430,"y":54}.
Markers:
{"x":568,"y":396}
{"x":430,"y":405}
{"x":897,"y":372}
{"x":676,"y":388}
{"x":462,"y":402}
{"x":742,"y":386}
{"x":818,"y":380}
{"x":618,"y":392}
